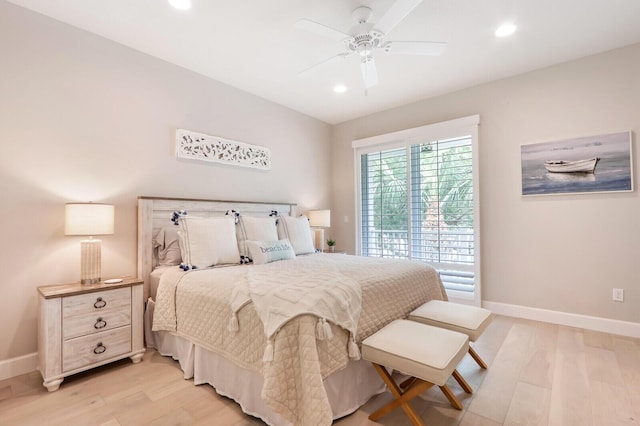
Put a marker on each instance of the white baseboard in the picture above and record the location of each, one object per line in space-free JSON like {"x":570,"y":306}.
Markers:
{"x":16,"y":366}
{"x":623,"y":328}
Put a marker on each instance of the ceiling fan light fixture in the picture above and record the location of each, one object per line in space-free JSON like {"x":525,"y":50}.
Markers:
{"x":340,"y":88}
{"x":365,"y":38}
{"x":506,"y":30}
{"x":364,"y":49}
{"x":181,"y":4}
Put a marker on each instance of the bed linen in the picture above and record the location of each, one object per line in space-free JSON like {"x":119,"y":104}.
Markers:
{"x":278,"y":298}
{"x":154,"y":280}
{"x":293,"y":382}
{"x":347,"y":389}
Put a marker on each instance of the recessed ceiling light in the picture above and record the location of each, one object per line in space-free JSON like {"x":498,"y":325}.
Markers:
{"x":506,"y":30}
{"x":340,"y":88}
{"x":181,"y":4}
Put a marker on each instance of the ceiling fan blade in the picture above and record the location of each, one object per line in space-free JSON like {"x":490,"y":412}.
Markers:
{"x":369,"y":72}
{"x":429,"y":48}
{"x":396,"y":13}
{"x":331,"y":60}
{"x":321,"y":30}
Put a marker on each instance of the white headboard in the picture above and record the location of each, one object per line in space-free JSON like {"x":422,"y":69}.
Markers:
{"x":154,"y":213}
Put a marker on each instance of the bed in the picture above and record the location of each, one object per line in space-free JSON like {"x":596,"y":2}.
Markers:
{"x":305,"y":369}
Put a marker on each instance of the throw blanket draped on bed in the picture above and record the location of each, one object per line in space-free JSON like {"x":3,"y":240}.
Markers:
{"x":327,"y":294}
{"x":196,"y":305}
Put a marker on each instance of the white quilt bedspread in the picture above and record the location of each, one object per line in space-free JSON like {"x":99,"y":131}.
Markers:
{"x":196,"y":305}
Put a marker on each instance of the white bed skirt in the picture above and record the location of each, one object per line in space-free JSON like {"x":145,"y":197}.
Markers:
{"x":347,"y":390}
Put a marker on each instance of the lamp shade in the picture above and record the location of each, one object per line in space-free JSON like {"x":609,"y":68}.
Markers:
{"x":320,"y":218}
{"x":88,"y":219}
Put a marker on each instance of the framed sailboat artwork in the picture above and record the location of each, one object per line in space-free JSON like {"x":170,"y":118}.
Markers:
{"x":590,"y":164}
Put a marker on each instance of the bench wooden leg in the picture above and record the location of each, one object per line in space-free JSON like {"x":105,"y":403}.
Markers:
{"x":402,"y":398}
{"x":475,"y":356}
{"x":408,"y":382}
{"x":456,"y":375}
{"x":451,"y":397}
{"x":462,"y":382}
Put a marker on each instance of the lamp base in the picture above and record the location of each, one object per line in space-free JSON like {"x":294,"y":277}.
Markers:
{"x":90,"y":261}
{"x":319,"y":235}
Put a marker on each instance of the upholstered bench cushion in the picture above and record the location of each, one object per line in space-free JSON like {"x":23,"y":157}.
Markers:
{"x":466,"y":319}
{"x":422,"y":351}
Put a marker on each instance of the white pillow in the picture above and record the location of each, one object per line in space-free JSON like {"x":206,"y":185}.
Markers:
{"x":298,"y":231}
{"x":208,"y":241}
{"x":270,"y":251}
{"x":254,"y":229}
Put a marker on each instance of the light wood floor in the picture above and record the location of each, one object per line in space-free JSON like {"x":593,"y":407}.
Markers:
{"x":539,"y":374}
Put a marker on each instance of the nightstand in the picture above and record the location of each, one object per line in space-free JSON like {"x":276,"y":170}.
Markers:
{"x":335,"y":251}
{"x":82,"y":326}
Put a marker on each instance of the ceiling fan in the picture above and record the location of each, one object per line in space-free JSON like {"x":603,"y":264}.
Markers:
{"x":366,"y":37}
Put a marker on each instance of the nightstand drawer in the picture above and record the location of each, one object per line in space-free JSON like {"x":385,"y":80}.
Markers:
{"x":99,"y":301}
{"x":82,"y":325}
{"x":92,"y":349}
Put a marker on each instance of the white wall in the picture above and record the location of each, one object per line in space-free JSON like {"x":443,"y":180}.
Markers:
{"x":561,"y":253}
{"x":85,"y":119}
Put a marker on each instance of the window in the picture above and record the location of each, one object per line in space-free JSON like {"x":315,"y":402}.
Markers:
{"x":417,"y":199}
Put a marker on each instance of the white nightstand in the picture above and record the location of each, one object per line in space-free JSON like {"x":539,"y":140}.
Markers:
{"x":83,"y":326}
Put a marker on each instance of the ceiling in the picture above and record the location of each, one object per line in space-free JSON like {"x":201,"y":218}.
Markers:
{"x":253,"y":45}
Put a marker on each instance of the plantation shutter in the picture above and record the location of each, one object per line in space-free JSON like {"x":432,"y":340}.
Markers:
{"x":384,"y":203}
{"x":417,"y":202}
{"x":442,"y":231}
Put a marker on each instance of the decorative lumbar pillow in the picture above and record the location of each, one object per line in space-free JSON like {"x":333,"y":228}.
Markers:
{"x":208,"y":241}
{"x":254,"y":229}
{"x":270,"y":251}
{"x":168,"y":248}
{"x":298,"y":231}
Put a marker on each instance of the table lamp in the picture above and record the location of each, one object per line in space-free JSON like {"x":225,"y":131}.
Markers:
{"x":320,"y":219}
{"x":89,"y":219}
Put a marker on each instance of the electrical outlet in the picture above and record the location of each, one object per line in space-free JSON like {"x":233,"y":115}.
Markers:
{"x":618,"y":294}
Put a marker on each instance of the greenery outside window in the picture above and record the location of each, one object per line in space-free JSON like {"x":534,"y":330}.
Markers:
{"x":417,"y":198}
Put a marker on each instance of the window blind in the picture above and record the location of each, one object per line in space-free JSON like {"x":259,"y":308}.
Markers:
{"x":384,"y":203}
{"x":418,"y":203}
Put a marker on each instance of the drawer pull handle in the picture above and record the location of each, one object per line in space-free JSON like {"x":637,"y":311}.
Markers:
{"x":100,"y":348}
{"x":100,"y":323}
{"x":100,"y":303}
